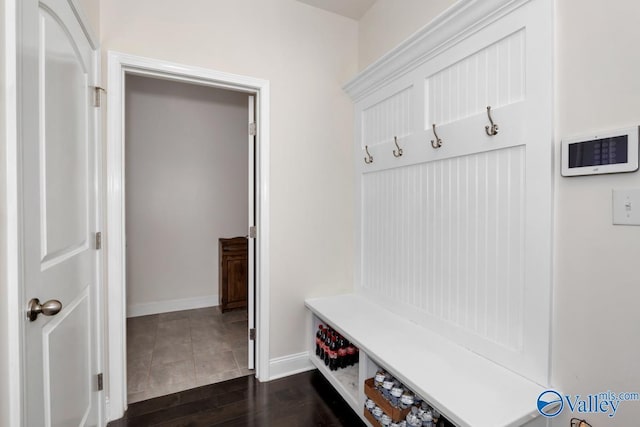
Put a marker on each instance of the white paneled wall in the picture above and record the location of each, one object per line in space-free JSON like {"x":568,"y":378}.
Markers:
{"x":447,"y":239}
{"x":458,"y":237}
{"x":492,"y":76}
{"x":388,"y":118}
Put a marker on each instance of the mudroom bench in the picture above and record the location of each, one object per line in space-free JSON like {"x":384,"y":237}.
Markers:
{"x":467,"y":389}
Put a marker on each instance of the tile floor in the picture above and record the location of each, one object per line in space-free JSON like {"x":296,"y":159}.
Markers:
{"x":171,"y":352}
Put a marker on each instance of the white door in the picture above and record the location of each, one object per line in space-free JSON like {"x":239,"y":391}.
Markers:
{"x":59,"y":215}
{"x":251,"y":259}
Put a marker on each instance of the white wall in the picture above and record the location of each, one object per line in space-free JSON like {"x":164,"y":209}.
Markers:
{"x":596,"y":287}
{"x":389,"y":22}
{"x":306,"y":54}
{"x":186,"y":150}
{"x":91,"y":10}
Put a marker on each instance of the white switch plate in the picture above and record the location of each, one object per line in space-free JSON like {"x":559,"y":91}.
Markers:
{"x":626,"y":207}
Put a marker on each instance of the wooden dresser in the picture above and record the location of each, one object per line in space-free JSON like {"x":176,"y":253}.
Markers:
{"x":233,"y":271}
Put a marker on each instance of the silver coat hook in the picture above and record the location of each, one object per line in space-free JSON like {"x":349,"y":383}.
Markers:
{"x":397,"y":152}
{"x":369,"y":158}
{"x":493,"y":129}
{"x":437,"y":143}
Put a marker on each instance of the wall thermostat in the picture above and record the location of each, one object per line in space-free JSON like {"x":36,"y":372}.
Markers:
{"x":607,"y":152}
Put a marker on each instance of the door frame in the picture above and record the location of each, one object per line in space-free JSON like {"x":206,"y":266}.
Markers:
{"x":120,"y":64}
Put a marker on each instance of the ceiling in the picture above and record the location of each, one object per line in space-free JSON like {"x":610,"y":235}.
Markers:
{"x":353,"y":9}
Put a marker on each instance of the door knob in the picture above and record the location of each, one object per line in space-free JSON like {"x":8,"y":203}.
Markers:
{"x":49,"y":308}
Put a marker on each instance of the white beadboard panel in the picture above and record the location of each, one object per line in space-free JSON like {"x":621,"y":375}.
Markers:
{"x":494,"y":75}
{"x":458,"y":239}
{"x":447,"y":238}
{"x":388,"y":118}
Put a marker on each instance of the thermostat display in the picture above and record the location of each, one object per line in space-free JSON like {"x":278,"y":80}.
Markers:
{"x":610,"y":152}
{"x":606,"y":151}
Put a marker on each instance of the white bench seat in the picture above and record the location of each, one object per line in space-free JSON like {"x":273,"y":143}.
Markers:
{"x":469,"y":390}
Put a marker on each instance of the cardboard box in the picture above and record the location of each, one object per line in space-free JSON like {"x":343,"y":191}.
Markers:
{"x":369,"y":416}
{"x":396,"y":414}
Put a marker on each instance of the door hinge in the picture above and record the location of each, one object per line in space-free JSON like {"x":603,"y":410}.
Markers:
{"x":97,"y":95}
{"x":98,"y":240}
{"x":252,"y":232}
{"x":252,"y":129}
{"x":100,"y":382}
{"x":252,"y":334}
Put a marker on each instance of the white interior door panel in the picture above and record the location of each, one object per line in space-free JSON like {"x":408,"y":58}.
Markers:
{"x":59,"y":216}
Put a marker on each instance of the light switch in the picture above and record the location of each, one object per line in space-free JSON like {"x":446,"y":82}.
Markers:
{"x":626,"y":207}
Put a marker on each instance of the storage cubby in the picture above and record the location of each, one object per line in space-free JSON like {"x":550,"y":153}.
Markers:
{"x":351,"y":381}
{"x":345,"y":380}
{"x":463,"y":386}
{"x":396,"y":413}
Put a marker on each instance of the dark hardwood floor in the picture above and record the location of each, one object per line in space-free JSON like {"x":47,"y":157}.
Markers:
{"x":305,"y":399}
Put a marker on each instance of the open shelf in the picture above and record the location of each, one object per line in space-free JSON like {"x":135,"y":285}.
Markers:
{"x":463,"y":386}
{"x":344,"y":380}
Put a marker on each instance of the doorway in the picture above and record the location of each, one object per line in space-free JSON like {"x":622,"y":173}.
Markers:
{"x":186,"y":195}
{"x":121,"y":68}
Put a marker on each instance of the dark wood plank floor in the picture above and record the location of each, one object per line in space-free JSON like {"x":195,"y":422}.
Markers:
{"x":305,"y":399}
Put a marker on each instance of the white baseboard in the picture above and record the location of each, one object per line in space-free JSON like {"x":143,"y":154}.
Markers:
{"x":145,"y":309}
{"x":280,"y":367}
